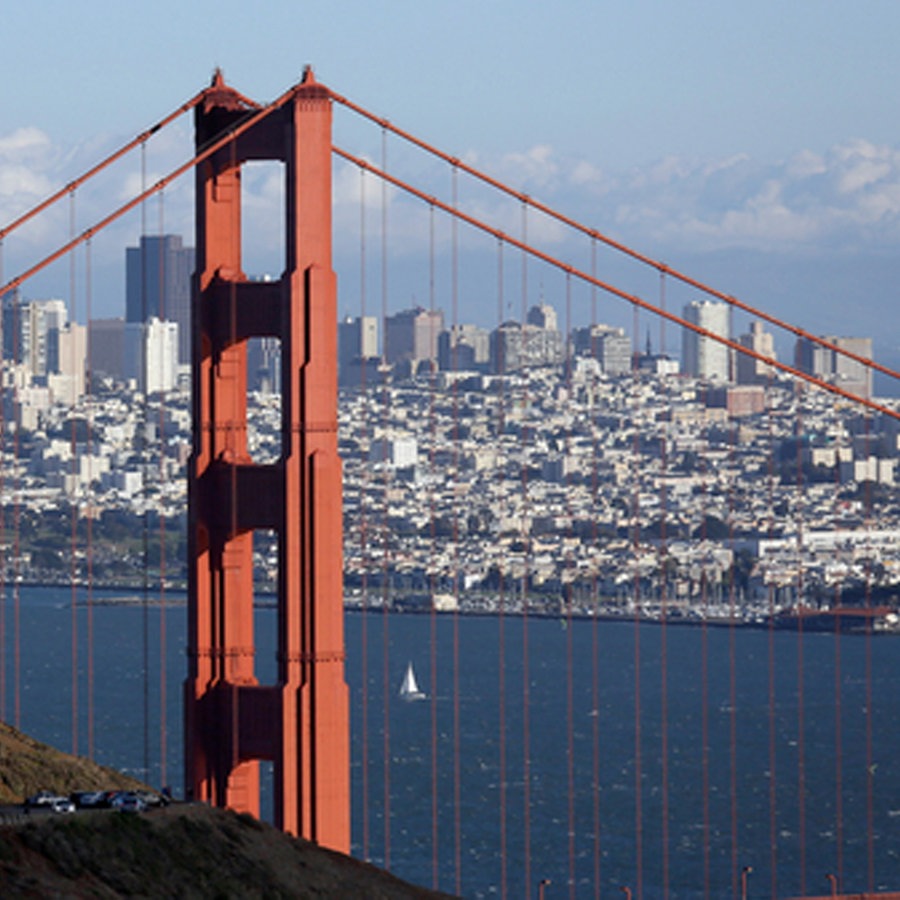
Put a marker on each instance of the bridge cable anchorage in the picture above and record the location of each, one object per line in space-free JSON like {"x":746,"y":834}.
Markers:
{"x":610,"y":242}
{"x":634,"y":299}
{"x":104,"y":163}
{"x":214,"y":146}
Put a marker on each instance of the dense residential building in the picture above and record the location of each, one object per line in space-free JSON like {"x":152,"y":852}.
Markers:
{"x":702,"y":356}
{"x":158,"y":283}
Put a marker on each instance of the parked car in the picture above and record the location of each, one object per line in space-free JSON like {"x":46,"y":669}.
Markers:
{"x":88,"y":799}
{"x":42,"y":798}
{"x":127,"y":801}
{"x":62,"y":805}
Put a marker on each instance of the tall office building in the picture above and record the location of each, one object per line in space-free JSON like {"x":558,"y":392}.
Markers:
{"x":610,"y":346}
{"x":412,"y":335}
{"x":158,"y":284}
{"x":704,"y":357}
{"x":151,"y":354}
{"x":829,"y":365}
{"x":750,"y":370}
{"x":27,"y":328}
{"x":464,"y":347}
{"x":357,"y":339}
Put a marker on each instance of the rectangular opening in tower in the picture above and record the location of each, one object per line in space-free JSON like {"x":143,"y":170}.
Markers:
{"x":263,"y":220}
{"x":265,"y":614}
{"x":264,"y":400}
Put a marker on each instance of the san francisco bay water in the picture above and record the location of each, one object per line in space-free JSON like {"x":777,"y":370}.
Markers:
{"x":568,"y":718}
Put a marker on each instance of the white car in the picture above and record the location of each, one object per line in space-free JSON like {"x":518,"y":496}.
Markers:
{"x":62,"y":805}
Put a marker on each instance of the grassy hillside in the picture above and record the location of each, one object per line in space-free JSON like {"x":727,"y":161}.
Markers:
{"x":185,"y":850}
{"x":182,"y":851}
{"x":27,"y":766}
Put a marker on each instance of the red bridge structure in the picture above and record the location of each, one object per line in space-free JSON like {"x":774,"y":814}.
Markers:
{"x":239,"y":720}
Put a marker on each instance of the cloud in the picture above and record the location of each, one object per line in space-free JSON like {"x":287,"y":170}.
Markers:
{"x":846,"y":198}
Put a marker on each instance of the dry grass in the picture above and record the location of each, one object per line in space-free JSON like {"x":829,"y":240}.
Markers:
{"x":28,"y":766}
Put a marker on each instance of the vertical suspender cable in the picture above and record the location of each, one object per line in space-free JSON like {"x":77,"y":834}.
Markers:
{"x":457,"y":792}
{"x":163,"y":314}
{"x":704,"y":670}
{"x":870,"y":761}
{"x":145,"y":488}
{"x":363,"y":532}
{"x":501,"y":599}
{"x":570,"y":675}
{"x":663,"y":636}
{"x":17,"y":524}
{"x":801,"y":725}
{"x":773,"y":759}
{"x":732,"y":678}
{"x":89,"y":521}
{"x":4,"y":559}
{"x":838,"y":726}
{"x":636,"y":548}
{"x":526,"y":711}
{"x":385,"y":571}
{"x":73,"y":503}
{"x":595,"y":600}
{"x":432,"y":447}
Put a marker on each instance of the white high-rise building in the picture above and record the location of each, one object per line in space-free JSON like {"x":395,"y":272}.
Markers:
{"x":151,"y":354}
{"x":704,"y":357}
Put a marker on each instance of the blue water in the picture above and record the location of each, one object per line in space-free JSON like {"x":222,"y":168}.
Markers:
{"x":586,"y":705}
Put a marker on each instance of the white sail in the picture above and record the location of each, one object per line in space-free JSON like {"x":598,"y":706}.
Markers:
{"x":409,"y":690}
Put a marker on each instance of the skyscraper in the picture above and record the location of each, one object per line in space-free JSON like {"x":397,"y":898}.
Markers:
{"x":749,"y":369}
{"x":704,"y":357}
{"x":158,"y":284}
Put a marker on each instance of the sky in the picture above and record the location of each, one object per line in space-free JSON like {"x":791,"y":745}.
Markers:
{"x":754,"y":145}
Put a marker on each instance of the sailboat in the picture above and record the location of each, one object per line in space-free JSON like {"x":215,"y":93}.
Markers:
{"x":409,"y":689}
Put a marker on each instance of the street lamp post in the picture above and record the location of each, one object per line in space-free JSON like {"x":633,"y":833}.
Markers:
{"x":542,"y":884}
{"x":833,"y":880}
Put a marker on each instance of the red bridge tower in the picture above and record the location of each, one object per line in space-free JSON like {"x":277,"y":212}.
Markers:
{"x":231,"y":720}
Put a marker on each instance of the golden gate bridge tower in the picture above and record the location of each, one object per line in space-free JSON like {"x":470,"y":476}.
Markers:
{"x":301,"y":722}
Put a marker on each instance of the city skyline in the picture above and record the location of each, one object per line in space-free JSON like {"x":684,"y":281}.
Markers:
{"x":762,"y":161}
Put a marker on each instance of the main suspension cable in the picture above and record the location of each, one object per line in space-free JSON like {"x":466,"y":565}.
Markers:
{"x":634,"y":299}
